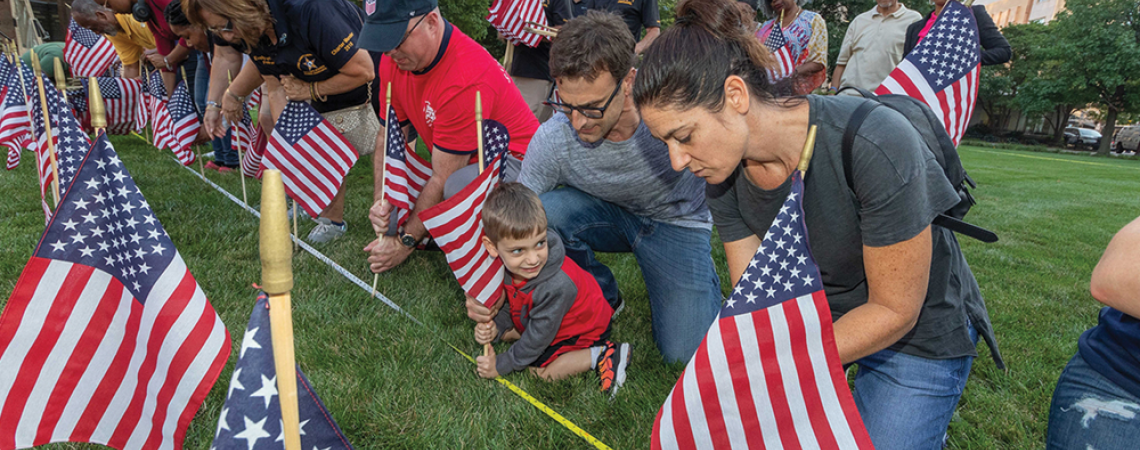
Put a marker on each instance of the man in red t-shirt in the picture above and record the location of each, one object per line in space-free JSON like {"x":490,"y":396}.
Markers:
{"x":435,"y":71}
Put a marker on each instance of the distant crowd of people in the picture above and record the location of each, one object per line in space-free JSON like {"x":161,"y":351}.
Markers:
{"x":629,"y":139}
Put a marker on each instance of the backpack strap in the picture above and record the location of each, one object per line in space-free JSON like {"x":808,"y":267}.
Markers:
{"x":853,"y":125}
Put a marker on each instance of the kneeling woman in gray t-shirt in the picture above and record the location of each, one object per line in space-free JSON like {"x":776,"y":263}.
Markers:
{"x":899,"y":289}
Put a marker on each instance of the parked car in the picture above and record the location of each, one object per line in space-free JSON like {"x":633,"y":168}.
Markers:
{"x":1082,"y":137}
{"x":1128,"y":139}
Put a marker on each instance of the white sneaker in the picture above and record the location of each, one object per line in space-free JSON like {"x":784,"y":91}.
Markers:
{"x":326,"y":231}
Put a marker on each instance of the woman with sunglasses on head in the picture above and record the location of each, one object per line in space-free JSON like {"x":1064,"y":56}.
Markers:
{"x":303,"y":50}
{"x":897,"y":287}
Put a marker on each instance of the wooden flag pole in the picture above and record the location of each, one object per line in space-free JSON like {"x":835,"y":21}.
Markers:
{"x":95,"y":104}
{"x":809,"y":148}
{"x":37,"y":71}
{"x":146,"y":130}
{"x":487,"y":349}
{"x":383,"y":173}
{"x":277,"y":281}
{"x":241,"y":156}
{"x":509,"y":56}
{"x":294,"y":222}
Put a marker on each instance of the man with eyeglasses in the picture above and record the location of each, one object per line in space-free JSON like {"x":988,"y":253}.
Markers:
{"x":435,"y":71}
{"x":620,"y":194}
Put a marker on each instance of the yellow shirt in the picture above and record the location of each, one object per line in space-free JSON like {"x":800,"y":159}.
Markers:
{"x":132,"y":40}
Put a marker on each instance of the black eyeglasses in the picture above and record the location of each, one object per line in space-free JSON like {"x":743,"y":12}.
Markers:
{"x":229,"y":27}
{"x":588,"y":111}
{"x":409,"y":33}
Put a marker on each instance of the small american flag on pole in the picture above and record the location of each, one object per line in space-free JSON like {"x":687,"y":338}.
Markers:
{"x":942,"y":71}
{"x":457,"y":226}
{"x":312,"y":156}
{"x":777,"y":43}
{"x":159,"y":112}
{"x":107,"y":337}
{"x":767,"y":374}
{"x":405,"y":173}
{"x":510,"y":17}
{"x":142,"y":108}
{"x":184,"y":124}
{"x":251,"y":416}
{"x":251,"y":160}
{"x":87,"y":53}
{"x":13,"y":158}
{"x":121,"y":99}
{"x":15,"y":126}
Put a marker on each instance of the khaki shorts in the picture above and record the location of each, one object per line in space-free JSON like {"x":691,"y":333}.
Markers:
{"x":358,"y":124}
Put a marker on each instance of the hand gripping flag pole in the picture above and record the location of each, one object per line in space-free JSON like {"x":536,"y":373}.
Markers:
{"x":98,"y":109}
{"x":383,"y":171}
{"x":488,"y":350}
{"x":277,"y":281}
{"x":38,"y":71}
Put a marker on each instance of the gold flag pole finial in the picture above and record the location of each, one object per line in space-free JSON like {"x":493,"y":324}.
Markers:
{"x":37,"y":71}
{"x":809,"y":148}
{"x":277,"y":281}
{"x":95,"y":103}
{"x":60,"y":77}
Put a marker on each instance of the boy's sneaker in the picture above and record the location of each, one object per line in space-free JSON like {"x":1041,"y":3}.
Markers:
{"x":611,"y":366}
{"x":326,"y":231}
{"x":618,"y":306}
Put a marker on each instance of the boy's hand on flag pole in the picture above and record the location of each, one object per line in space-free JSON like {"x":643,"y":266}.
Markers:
{"x":379,"y":214}
{"x":486,"y":365}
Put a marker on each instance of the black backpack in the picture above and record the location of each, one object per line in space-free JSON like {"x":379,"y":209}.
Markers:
{"x":929,"y":126}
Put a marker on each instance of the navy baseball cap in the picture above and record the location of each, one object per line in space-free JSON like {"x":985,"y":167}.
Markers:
{"x":388,"y":21}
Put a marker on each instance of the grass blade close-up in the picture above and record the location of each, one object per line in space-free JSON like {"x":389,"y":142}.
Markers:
{"x":392,"y":383}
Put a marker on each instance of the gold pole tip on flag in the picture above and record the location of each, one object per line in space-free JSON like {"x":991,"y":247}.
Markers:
{"x":95,"y":103}
{"x":60,"y":76}
{"x":276,"y":251}
{"x":36,"y":63}
{"x":809,"y":148}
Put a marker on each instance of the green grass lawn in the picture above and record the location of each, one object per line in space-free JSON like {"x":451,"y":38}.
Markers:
{"x":391,"y":383}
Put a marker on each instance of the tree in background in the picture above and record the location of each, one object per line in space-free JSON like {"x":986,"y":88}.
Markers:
{"x":1098,"y":45}
{"x":1037,"y":87}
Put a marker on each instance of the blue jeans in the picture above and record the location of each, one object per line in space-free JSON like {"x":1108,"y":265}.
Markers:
{"x":1090,"y":411}
{"x":907,"y":401}
{"x":676,"y":263}
{"x":223,"y":153}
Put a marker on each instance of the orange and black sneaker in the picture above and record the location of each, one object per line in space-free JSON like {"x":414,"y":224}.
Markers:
{"x":611,"y":366}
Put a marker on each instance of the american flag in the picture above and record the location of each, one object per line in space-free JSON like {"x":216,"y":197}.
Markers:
{"x":243,"y":133}
{"x":777,"y":43}
{"x":159,"y":112}
{"x":767,"y":374}
{"x":107,"y":338}
{"x":251,"y":416}
{"x":405,"y":172}
{"x":57,"y":109}
{"x":942,"y":71}
{"x":87,"y":53}
{"x":509,"y":17}
{"x":457,"y":226}
{"x":121,"y":99}
{"x":13,"y":158}
{"x":184,"y":124}
{"x":312,"y":156}
{"x":254,"y":99}
{"x":15,"y":126}
{"x":251,"y":159}
{"x":71,"y":142}
{"x":142,"y":108}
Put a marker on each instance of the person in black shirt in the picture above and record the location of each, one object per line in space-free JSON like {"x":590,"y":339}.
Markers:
{"x":303,"y":50}
{"x":636,"y":14}
{"x":531,"y":67}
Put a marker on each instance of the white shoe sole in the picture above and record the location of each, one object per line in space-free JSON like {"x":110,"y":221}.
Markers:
{"x":619,"y":373}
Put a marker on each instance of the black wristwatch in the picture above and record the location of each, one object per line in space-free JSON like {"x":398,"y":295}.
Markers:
{"x":408,"y":240}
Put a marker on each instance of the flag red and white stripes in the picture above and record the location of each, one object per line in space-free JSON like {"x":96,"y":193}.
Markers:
{"x":111,"y":345}
{"x":184,"y":124}
{"x":15,"y":124}
{"x":312,"y":156}
{"x":13,"y":158}
{"x":457,"y":226}
{"x":510,"y":17}
{"x":87,"y":54}
{"x":767,"y":374}
{"x":781,"y":50}
{"x":251,"y":159}
{"x":405,"y":172}
{"x":942,"y":70}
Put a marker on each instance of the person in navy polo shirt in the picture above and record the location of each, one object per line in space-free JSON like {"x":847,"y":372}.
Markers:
{"x":1096,"y":403}
{"x":303,"y":50}
{"x":435,"y":71}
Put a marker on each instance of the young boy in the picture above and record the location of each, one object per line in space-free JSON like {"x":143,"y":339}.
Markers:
{"x":555,"y":312}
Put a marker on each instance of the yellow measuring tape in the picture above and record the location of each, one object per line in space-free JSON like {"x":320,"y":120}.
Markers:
{"x":518,"y":391}
{"x":542,"y":407}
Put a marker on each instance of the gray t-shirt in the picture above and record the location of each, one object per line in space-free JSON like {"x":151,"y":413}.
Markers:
{"x":634,"y":174}
{"x":899,"y":189}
